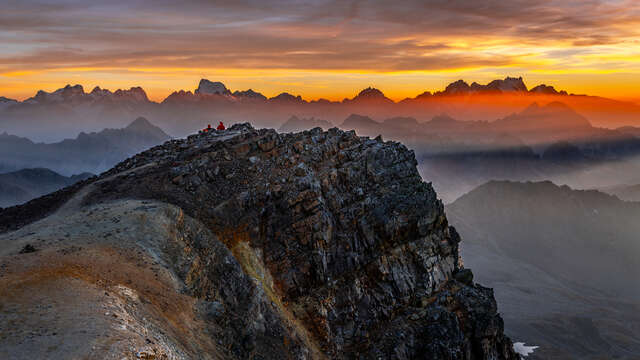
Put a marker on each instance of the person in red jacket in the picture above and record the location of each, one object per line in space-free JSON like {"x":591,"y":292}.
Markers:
{"x":221,"y":126}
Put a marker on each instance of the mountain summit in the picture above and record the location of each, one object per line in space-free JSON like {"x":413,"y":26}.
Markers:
{"x":240,"y":242}
{"x":370,"y":96}
{"x":509,"y":84}
{"x":207,"y":87}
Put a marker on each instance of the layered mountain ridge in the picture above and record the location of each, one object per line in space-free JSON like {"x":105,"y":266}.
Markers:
{"x":563,"y":264}
{"x":244,"y":242}
{"x":50,"y":116}
{"x":23,"y":185}
{"x":76,"y":94}
{"x":206,"y":88}
{"x":88,"y":152}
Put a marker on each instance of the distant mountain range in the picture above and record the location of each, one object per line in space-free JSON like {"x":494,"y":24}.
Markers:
{"x":541,"y":141}
{"x":624,"y":192}
{"x":214,"y":90}
{"x":49,"y":116}
{"x":537,"y":126}
{"x":564,"y":265}
{"x":93,"y":152}
{"x":23,"y":185}
{"x":296,"y":124}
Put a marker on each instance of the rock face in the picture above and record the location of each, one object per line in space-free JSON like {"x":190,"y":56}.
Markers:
{"x":509,"y":84}
{"x":210,"y":88}
{"x":371,"y":96}
{"x":308,"y":245}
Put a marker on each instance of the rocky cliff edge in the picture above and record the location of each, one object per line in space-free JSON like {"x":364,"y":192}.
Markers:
{"x":245,"y":243}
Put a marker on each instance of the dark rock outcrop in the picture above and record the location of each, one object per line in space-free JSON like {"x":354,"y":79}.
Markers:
{"x":317,"y":245}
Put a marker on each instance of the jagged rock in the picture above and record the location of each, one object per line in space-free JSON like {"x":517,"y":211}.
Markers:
{"x":28,"y":249}
{"x":249,"y":94}
{"x":509,"y":84}
{"x":206,"y":87}
{"x":307,"y":245}
{"x":464,"y":276}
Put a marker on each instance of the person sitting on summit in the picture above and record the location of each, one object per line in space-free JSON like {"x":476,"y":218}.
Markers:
{"x":221,"y":126}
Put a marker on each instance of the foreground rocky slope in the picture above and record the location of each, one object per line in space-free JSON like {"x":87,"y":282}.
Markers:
{"x":245,"y":244}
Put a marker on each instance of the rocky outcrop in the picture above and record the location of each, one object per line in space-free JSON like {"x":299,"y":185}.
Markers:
{"x":286,"y":98}
{"x":76,"y":95}
{"x":307,"y":245}
{"x":508,"y":85}
{"x":370,"y":96}
{"x":249,"y":95}
{"x":206,"y":87}
{"x":548,"y":90}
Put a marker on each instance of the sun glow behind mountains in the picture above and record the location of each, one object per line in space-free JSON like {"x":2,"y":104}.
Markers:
{"x":319,"y":49}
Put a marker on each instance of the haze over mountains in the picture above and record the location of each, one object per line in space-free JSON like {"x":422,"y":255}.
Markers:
{"x":23,"y":185}
{"x":52,"y":116}
{"x":539,"y":135}
{"x":93,"y":152}
{"x":245,"y":244}
{"x":376,"y":166}
{"x":564,"y":265}
{"x":543,"y":140}
{"x":540,"y":142}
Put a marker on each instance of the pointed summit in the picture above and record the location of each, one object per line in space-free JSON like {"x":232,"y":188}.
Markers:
{"x":548,"y":90}
{"x":249,"y":94}
{"x":71,"y":90}
{"x":206,"y":87}
{"x":287,"y":98}
{"x":142,"y":126}
{"x":457,"y":87}
{"x":135,"y":94}
{"x":509,"y":84}
{"x":99,"y":92}
{"x":554,"y":116}
{"x":371,"y":95}
{"x":139,"y":123}
{"x":356,"y":121}
{"x":67,"y":93}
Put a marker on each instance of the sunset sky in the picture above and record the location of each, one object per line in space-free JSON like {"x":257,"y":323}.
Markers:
{"x":316,"y":49}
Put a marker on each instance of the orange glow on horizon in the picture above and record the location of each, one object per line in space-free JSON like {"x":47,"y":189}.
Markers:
{"x":321,"y":50}
{"x":310,"y":84}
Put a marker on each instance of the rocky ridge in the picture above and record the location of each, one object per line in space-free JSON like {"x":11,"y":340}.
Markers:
{"x":307,"y":245}
{"x":76,"y":95}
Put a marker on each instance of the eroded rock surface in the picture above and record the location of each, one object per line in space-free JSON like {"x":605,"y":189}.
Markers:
{"x":308,"y":245}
